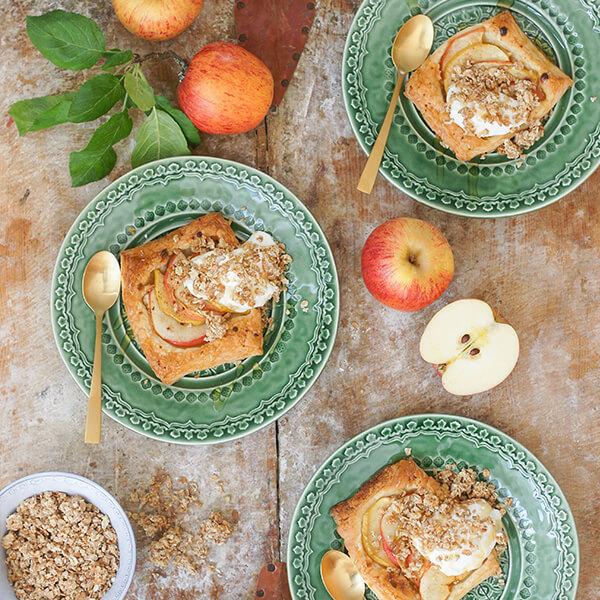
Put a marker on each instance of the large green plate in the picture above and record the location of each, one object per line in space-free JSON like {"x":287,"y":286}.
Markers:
{"x":542,"y":561}
{"x":414,"y":161}
{"x":232,"y":400}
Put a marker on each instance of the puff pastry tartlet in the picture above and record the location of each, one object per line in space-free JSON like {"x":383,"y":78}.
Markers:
{"x":193,"y":297}
{"x":413,"y":537}
{"x":488,"y":88}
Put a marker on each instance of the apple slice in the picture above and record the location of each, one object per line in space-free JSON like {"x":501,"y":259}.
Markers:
{"x":477,"y":53}
{"x":164,"y":302}
{"x":171,"y":330}
{"x":387,"y":529}
{"x":460,"y":42}
{"x":473,"y":351}
{"x":435,"y":585}
{"x":371,"y":533}
{"x":487,"y":569}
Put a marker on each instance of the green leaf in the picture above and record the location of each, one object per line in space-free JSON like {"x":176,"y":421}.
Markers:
{"x":69,"y":40}
{"x":117,"y":128}
{"x":159,"y":136}
{"x":138,"y":88}
{"x":40,"y":113}
{"x":116,"y":57}
{"x":96,"y":97}
{"x":192,"y":135}
{"x":91,"y":165}
{"x":98,"y":158}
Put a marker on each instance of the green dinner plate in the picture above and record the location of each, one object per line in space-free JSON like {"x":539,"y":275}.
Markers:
{"x":542,"y":561}
{"x":568,"y":31}
{"x":231,"y":400}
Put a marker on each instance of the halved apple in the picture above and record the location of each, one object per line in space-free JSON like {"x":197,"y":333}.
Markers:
{"x":371,"y":533}
{"x":434,"y":585}
{"x":475,"y":53}
{"x":460,"y":42}
{"x":472,"y":350}
{"x":171,"y":330}
{"x":164,"y":302}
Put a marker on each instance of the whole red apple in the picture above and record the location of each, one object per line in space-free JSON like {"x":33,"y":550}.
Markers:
{"x":156,"y":19}
{"x":226,"y":89}
{"x":407,"y":263}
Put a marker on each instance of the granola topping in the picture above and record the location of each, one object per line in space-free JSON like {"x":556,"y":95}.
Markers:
{"x":490,"y":100}
{"x":60,"y":547}
{"x":241,"y":279}
{"x":455,"y":529}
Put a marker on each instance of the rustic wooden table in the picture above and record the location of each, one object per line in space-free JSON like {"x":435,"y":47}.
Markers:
{"x":540,"y":270}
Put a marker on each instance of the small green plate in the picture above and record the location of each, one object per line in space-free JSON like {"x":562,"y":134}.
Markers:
{"x":568,"y":31}
{"x":231,"y":400}
{"x":542,"y":562}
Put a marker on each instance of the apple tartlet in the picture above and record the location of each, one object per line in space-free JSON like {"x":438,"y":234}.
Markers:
{"x":195,"y":297}
{"x":488,"y":88}
{"x":416,"y":537}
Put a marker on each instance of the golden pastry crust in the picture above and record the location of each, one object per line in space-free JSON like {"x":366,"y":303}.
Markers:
{"x":244,"y":336}
{"x":425,"y":87}
{"x":398,"y":478}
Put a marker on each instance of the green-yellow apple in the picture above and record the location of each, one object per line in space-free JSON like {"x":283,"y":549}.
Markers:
{"x":226,"y":89}
{"x":157,"y":19}
{"x":407,"y":263}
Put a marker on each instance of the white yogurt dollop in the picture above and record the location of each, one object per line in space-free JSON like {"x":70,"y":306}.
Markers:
{"x":467,"y":555}
{"x":483,"y":127}
{"x":231,"y":280}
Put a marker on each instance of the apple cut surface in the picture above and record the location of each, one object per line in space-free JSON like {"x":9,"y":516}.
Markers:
{"x":171,"y":330}
{"x":371,"y":533}
{"x":477,"y":53}
{"x":164,"y":302}
{"x":473,"y":351}
{"x":459,"y":43}
{"x":489,"y":568}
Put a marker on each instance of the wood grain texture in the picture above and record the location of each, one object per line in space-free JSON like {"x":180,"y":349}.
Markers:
{"x":539,"y":270}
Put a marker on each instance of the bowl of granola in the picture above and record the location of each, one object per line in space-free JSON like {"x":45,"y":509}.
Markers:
{"x":63,"y":536}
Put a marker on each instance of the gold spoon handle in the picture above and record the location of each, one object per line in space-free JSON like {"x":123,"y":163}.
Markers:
{"x":93,"y":421}
{"x":367,"y":179}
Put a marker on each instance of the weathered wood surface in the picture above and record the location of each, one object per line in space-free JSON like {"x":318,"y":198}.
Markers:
{"x":540,"y":270}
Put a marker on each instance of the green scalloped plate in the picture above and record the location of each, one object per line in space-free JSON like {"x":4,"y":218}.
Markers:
{"x":568,"y":31}
{"x":231,"y":400}
{"x":542,"y":561}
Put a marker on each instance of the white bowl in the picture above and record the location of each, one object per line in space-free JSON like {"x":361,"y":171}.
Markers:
{"x":13,"y":494}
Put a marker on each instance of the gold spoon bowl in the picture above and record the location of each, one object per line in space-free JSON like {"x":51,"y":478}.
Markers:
{"x":340,"y":577}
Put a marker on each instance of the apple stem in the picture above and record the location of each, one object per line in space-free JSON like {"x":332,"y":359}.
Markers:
{"x":181,"y":63}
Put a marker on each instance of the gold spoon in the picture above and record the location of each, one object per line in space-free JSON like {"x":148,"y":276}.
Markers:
{"x":101,"y":284}
{"x":340,"y":577}
{"x":410,"y":49}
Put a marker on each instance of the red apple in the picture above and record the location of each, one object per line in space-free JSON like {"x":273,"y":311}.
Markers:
{"x":156,"y":19}
{"x":407,"y":263}
{"x":226,"y":89}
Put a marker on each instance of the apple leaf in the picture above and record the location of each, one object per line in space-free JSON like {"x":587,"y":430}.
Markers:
{"x":116,"y":57}
{"x":192,"y":135}
{"x":40,"y":113}
{"x":69,"y":40}
{"x":138,"y":88}
{"x":159,"y":136}
{"x":98,"y":158}
{"x":96,"y":97}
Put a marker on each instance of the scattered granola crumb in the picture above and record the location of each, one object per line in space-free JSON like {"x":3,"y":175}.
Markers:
{"x":304,"y":305}
{"x":408,"y":451}
{"x":594,"y":98}
{"x":60,"y":547}
{"x":161,"y":510}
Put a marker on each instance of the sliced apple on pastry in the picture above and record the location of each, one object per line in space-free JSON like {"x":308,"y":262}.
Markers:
{"x":168,"y":307}
{"x":434,"y":585}
{"x":490,"y":567}
{"x":371,"y":533}
{"x":476,"y":53}
{"x":459,"y":42}
{"x":172,"y":331}
{"x":473,"y":351}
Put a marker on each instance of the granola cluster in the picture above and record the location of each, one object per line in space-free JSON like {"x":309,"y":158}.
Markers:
{"x":498,"y":94}
{"x":60,"y":547}
{"x":426,"y":514}
{"x":160,"y":510}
